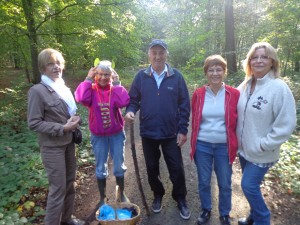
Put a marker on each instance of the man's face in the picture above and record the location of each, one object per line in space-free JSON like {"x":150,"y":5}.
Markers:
{"x":158,"y":57}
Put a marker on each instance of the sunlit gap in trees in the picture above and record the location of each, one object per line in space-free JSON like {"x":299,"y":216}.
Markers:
{"x":156,"y":4}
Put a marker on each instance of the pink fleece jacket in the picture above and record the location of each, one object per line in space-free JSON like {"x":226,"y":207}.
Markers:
{"x":93,"y":96}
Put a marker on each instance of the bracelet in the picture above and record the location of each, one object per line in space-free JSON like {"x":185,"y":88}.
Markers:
{"x":89,"y":78}
{"x":116,"y":82}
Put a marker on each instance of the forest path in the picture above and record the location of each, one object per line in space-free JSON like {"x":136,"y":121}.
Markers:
{"x":285,"y":208}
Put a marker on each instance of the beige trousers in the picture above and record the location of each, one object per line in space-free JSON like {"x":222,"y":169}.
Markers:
{"x":60,"y":166}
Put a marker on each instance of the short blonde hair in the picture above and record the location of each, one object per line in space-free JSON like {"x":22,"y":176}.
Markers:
{"x":215,"y":60}
{"x":270,"y":52}
{"x":45,"y":56}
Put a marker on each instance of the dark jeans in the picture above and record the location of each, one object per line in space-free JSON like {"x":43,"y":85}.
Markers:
{"x":173,"y":158}
{"x":252,"y":178}
{"x":209,"y":157}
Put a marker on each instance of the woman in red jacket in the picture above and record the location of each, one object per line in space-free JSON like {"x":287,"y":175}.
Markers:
{"x":213,"y":140}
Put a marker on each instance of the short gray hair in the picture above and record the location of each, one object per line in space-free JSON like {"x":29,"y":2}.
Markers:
{"x":105,"y":65}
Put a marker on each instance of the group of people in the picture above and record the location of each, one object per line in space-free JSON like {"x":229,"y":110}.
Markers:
{"x":251,"y":121}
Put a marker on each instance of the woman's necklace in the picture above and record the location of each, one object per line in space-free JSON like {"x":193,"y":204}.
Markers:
{"x":104,"y":108}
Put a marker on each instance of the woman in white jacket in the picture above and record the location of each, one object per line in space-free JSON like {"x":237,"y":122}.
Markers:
{"x":266,"y":119}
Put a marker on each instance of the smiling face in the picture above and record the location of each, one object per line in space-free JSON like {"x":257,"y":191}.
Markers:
{"x":103,"y":77}
{"x":54,"y":67}
{"x":260,"y":63}
{"x":158,"y":57}
{"x":215,"y":75}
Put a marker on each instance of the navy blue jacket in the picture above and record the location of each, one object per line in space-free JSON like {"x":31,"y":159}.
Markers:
{"x":164,"y":111}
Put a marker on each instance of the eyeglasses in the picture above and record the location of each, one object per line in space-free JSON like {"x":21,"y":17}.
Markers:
{"x":262,"y":58}
{"x":51,"y":64}
{"x":217,"y":71}
{"x":106,"y":75}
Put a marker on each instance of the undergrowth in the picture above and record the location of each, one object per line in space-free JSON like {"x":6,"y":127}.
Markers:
{"x":24,"y":185}
{"x":287,"y":170}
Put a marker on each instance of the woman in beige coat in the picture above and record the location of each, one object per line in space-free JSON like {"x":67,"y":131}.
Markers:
{"x":51,"y":113}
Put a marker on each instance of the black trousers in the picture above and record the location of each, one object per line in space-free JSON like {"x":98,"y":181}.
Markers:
{"x":173,"y":158}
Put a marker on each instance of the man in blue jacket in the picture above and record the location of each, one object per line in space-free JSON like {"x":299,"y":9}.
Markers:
{"x":161,"y":95}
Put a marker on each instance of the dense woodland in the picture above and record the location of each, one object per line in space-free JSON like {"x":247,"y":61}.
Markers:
{"x":120,"y":30}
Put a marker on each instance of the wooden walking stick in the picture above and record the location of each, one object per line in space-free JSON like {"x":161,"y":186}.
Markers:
{"x":136,"y":166}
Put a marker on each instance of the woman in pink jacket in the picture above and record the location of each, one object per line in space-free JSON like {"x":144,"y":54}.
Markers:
{"x":213,"y":140}
{"x":101,"y":92}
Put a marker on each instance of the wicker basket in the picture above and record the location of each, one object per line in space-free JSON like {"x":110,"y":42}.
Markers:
{"x":131,"y":221}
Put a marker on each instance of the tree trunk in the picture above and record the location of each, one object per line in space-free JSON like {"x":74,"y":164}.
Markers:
{"x":28,"y":11}
{"x":230,"y":53}
{"x":297,"y":66}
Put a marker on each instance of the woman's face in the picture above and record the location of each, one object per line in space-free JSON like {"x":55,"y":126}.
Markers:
{"x":54,"y":68}
{"x":102,"y":77}
{"x":215,"y":75}
{"x":260,"y":63}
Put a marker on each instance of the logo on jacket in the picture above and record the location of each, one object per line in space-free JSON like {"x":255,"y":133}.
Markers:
{"x":257,"y":104}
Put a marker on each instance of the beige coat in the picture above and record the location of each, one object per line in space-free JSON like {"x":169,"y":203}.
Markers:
{"x":46,"y":114}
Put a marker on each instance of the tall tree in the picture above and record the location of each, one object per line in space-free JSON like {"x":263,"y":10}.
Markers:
{"x":32,"y":36}
{"x":230,"y":52}
{"x":82,"y":30}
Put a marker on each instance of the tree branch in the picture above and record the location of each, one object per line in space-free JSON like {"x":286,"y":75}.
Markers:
{"x":75,"y":4}
{"x":54,"y":14}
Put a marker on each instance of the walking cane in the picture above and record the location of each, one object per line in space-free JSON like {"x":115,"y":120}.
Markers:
{"x":136,"y":166}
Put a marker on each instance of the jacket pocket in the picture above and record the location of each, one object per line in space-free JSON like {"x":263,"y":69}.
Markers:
{"x":54,"y":103}
{"x":55,"y":112}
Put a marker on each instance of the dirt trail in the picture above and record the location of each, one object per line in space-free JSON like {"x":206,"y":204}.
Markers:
{"x":88,"y":197}
{"x":285,"y":208}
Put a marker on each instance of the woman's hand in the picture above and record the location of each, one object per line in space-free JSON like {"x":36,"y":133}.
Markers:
{"x":92,"y":73}
{"x":72,"y":123}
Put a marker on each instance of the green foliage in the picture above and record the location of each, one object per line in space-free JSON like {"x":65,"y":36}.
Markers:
{"x":22,"y":175}
{"x":287,"y":169}
{"x":82,"y":30}
{"x":294,"y":83}
{"x":84,"y":151}
{"x":120,"y":30}
{"x":12,"y":219}
{"x":20,"y":163}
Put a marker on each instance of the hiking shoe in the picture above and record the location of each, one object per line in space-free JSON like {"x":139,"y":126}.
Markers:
{"x":225,"y":220}
{"x":245,"y":221}
{"x":156,"y":204}
{"x":183,"y":209}
{"x":73,"y":221}
{"x":204,"y":217}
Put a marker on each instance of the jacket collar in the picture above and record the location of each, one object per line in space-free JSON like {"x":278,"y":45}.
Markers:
{"x":269,"y":76}
{"x":170,"y":71}
{"x":50,"y":89}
